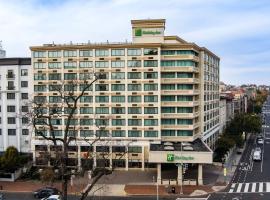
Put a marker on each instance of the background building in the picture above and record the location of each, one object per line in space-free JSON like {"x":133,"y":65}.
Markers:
{"x":16,"y":88}
{"x":157,"y":90}
{"x":2,"y":51}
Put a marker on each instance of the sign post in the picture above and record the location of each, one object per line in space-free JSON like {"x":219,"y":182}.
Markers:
{"x":225,"y":173}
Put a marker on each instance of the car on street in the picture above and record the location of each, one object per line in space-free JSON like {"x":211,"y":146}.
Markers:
{"x":53,"y":197}
{"x":45,"y":192}
{"x":257,"y":155}
{"x":258,"y":149}
{"x":260,"y":141}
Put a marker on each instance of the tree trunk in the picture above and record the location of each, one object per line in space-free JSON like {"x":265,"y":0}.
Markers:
{"x":64,"y":173}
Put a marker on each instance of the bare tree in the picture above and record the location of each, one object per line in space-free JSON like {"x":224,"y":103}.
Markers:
{"x":45,"y":115}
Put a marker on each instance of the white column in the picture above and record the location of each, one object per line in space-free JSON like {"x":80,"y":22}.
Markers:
{"x":79,"y":158}
{"x":110,"y":155}
{"x":200,"y":172}
{"x":49,"y":152}
{"x":126,"y":159}
{"x":94,"y":157}
{"x":159,"y":173}
{"x":142,"y":158}
{"x":180,"y":174}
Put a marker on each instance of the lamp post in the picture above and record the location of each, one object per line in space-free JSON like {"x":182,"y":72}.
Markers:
{"x":156,"y":187}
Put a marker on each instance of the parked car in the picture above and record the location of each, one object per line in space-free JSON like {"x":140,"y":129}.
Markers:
{"x":258,"y":149}
{"x":46,"y":192}
{"x":53,"y":197}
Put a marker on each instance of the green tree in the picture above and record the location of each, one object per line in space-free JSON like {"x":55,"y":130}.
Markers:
{"x":10,"y":159}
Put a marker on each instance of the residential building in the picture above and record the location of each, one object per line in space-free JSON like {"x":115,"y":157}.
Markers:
{"x":2,"y":51}
{"x":222,"y":114}
{"x":15,"y":91}
{"x":159,"y":97}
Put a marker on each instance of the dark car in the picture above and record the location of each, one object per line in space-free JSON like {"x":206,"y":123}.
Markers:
{"x":45,"y":192}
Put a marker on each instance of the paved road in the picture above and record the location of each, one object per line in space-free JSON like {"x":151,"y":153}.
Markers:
{"x":251,"y":180}
{"x":29,"y":196}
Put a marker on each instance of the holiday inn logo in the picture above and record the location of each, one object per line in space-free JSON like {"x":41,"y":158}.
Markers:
{"x":138,"y":32}
{"x":170,"y":157}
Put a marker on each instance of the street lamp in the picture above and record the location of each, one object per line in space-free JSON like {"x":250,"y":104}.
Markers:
{"x":156,"y":187}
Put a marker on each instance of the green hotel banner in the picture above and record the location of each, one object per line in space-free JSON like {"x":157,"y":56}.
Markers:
{"x":140,"y":32}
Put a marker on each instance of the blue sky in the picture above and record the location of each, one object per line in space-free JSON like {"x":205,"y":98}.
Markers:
{"x":237,"y":31}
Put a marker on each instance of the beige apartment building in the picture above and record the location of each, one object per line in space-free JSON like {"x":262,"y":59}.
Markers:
{"x":158,"y":98}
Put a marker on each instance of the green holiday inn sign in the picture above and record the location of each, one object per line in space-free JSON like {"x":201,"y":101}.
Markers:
{"x":171,"y":157}
{"x":140,"y":32}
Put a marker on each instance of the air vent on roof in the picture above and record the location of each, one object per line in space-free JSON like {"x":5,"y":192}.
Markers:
{"x":168,"y":148}
{"x":168,"y":144}
{"x":188,"y":148}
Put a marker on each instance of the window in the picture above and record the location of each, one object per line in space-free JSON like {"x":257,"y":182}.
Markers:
{"x":167,"y":75}
{"x":40,"y":76}
{"x":86,"y":64}
{"x":119,"y":63}
{"x":178,"y":52}
{"x":184,"y":86}
{"x":168,"y":121}
{"x":118,"y":110}
{"x":184,"y":133}
{"x":101,"y":64}
{"x":184,"y":110}
{"x":24,"y":72}
{"x":102,"y":110}
{"x":118,"y":87}
{"x":134,"y":133}
{"x":176,"y":63}
{"x":55,"y":87}
{"x":150,"y":75}
{"x":167,"y":132}
{"x":86,"y":87}
{"x":86,"y":110}
{"x":55,"y":99}
{"x":134,"y":99}
{"x":11,"y":131}
{"x":118,"y":52}
{"x":54,"y":65}
{"x":150,"y":63}
{"x":11,"y":85}
{"x":11,"y":120}
{"x":86,"y":99}
{"x":134,"y":87}
{"x":168,"y":98}
{"x":70,"y":53}
{"x":184,"y":75}
{"x":150,"y":133}
{"x":118,"y":99}
{"x":184,"y":121}
{"x":134,"y":122}
{"x":102,"y":99}
{"x":70,"y":65}
{"x":70,"y":76}
{"x":118,"y":133}
{"x":150,"y":122}
{"x":24,"y":95}
{"x":134,"y":52}
{"x":54,"y":54}
{"x":70,"y":87}
{"x":102,"y":122}
{"x":24,"y":83}
{"x":150,"y":87}
{"x":55,"y":76}
{"x":134,"y":63}
{"x":25,"y":132}
{"x":10,"y":95}
{"x":167,"y":109}
{"x":150,"y":110}
{"x":86,"y":53}
{"x":39,"y":54}
{"x":25,"y":109}
{"x":85,"y":122}
{"x":102,"y":87}
{"x":134,"y":110}
{"x":118,"y":122}
{"x":39,"y":65}
{"x":153,"y":51}
{"x":168,"y":86}
{"x":10,"y":108}
{"x":25,"y":120}
{"x":118,"y":75}
{"x":102,"y":52}
{"x":151,"y":98}
{"x":135,"y":149}
{"x":134,"y":75}
{"x":86,"y":133}
{"x":102,"y":133}
{"x":184,"y":98}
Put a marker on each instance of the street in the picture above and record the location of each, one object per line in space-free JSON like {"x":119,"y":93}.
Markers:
{"x":251,"y":180}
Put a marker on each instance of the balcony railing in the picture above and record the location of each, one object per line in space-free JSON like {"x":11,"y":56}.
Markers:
{"x":10,"y":87}
{"x":10,"y":76}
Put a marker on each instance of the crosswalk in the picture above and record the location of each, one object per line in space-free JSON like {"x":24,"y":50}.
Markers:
{"x":250,"y":187}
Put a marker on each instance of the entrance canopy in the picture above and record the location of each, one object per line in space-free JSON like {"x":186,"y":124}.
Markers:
{"x":181,"y":152}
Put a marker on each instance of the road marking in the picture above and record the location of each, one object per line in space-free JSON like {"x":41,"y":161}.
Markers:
{"x":260,"y":187}
{"x":253,"y":187}
{"x":267,"y":187}
{"x":246,"y":187}
{"x":239,"y":187}
{"x":232,"y":188}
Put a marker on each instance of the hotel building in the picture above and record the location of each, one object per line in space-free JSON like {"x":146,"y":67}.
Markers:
{"x":158,"y":98}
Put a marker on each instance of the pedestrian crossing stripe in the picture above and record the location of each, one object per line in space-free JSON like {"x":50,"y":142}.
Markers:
{"x":256,"y":187}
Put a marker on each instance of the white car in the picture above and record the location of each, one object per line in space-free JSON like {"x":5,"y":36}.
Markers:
{"x":53,"y":197}
{"x":260,"y":141}
{"x":257,"y":156}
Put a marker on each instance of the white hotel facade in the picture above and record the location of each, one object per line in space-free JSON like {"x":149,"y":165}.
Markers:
{"x":159,"y":97}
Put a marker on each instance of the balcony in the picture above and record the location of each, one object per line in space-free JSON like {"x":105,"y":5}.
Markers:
{"x":180,"y":92}
{"x":10,"y":76}
{"x":180,"y":127}
{"x":10,"y":87}
{"x":180,"y":80}
{"x":180,"y":115}
{"x":180,"y":69}
{"x":181,"y":103}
